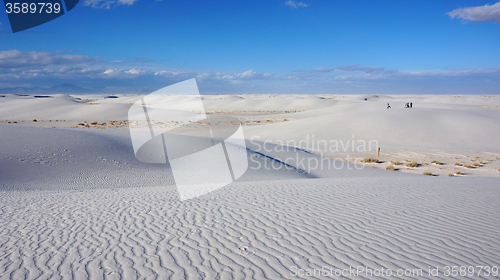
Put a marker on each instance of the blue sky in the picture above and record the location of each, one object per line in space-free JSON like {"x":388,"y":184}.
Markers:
{"x":268,"y":46}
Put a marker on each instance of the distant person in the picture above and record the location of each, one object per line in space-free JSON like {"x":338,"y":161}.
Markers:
{"x":411,"y":105}
{"x":407,"y":105}
{"x":388,"y":106}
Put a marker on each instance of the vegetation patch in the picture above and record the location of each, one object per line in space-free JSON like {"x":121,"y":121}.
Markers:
{"x":390,"y":168}
{"x":411,"y":164}
{"x":370,"y":160}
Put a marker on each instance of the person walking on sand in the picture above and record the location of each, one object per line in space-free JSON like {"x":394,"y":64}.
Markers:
{"x":388,"y":106}
{"x":411,"y":105}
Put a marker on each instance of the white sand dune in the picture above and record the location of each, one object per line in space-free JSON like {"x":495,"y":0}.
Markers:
{"x":76,"y":204}
{"x":265,"y":230}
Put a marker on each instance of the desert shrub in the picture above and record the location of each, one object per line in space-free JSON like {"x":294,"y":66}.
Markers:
{"x":436,"y":162}
{"x":395,"y":162}
{"x":411,"y":164}
{"x":458,"y":164}
{"x":390,"y":168}
{"x":428,"y":173}
{"x":458,"y":173}
{"x":469,"y":166}
{"x":475,"y":164}
{"x":373,"y":160}
{"x":451,"y":175}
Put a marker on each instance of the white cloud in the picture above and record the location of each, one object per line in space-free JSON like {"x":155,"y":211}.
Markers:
{"x":110,"y":71}
{"x":350,"y":69}
{"x":295,"y":5}
{"x":379,"y":73}
{"x":478,"y":14}
{"x":124,"y":73}
{"x":65,"y":51}
{"x":136,"y":71}
{"x":252,"y":75}
{"x":126,"y":2}
{"x":235,"y":77}
{"x":15,"y":59}
{"x":107,"y":4}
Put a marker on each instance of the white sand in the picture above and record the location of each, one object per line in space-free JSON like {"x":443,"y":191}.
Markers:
{"x":75,"y":203}
{"x":251,"y":230}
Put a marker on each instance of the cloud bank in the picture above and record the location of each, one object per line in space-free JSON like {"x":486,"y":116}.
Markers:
{"x":478,"y":14}
{"x":43,"y":71}
{"x":17,"y":59}
{"x":25,"y":69}
{"x":349,"y":69}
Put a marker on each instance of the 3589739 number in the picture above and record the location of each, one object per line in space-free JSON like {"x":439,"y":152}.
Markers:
{"x":478,"y":270}
{"x":32,"y":8}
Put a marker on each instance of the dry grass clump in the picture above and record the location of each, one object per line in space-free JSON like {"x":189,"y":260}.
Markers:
{"x":395,"y":162}
{"x":436,"y":162}
{"x":102,"y":125}
{"x":458,"y":164}
{"x":428,"y":173}
{"x":372,"y":160}
{"x":476,"y":164}
{"x":469,"y":166}
{"x":456,"y":173}
{"x":411,"y":164}
{"x":390,"y":168}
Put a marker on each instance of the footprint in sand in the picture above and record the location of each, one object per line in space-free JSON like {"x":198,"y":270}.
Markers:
{"x":246,"y":251}
{"x":108,"y":271}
